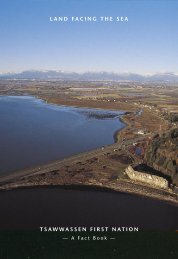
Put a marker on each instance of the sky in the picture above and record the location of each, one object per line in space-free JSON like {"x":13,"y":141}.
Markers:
{"x":146,"y":44}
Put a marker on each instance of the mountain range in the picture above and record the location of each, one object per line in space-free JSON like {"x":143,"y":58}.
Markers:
{"x":89,"y":76}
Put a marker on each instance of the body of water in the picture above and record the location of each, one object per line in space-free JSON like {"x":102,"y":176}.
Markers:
{"x":33,"y":132}
{"x":32,"y":208}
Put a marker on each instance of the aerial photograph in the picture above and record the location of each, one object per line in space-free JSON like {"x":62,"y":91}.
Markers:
{"x":88,"y":129}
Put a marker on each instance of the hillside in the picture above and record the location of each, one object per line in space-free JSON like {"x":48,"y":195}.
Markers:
{"x":162,"y":154}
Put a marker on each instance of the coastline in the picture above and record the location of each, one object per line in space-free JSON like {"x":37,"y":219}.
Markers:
{"x":126,"y":186}
{"x":21,"y":178}
{"x":95,"y":188}
{"x":145,"y":192}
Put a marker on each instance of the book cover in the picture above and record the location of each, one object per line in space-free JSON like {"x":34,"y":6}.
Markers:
{"x":88,"y":129}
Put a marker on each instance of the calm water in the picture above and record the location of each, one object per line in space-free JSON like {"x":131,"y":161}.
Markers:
{"x":33,"y":132}
{"x":32,"y":208}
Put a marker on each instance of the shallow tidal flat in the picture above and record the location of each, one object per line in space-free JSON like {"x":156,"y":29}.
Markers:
{"x":34,"y":132}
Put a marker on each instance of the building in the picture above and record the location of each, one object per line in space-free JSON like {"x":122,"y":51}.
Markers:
{"x":152,"y":180}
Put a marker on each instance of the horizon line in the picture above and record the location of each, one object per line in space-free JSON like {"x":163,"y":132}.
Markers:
{"x":87,"y":71}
